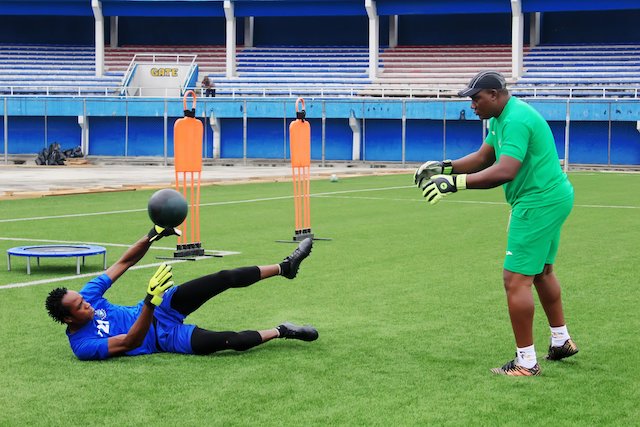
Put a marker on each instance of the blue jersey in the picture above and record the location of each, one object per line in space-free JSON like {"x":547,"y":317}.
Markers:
{"x":167,"y":332}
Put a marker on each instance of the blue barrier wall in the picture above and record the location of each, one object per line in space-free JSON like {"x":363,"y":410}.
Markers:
{"x":231,"y":144}
{"x":600,"y":132}
{"x":107,"y":136}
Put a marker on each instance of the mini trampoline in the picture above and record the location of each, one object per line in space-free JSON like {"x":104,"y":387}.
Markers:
{"x":56,"y":251}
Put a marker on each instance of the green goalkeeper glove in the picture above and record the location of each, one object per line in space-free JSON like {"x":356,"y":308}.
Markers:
{"x":157,"y":233}
{"x":439,"y":186}
{"x":431,"y":168}
{"x":158,"y":284}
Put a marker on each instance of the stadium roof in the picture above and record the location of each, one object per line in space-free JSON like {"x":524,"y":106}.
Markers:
{"x":299,"y":7}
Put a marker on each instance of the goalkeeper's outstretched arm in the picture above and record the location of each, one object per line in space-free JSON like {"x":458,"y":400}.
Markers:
{"x":129,"y":258}
{"x":138,"y":250}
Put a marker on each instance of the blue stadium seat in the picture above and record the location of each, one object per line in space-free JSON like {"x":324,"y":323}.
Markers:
{"x":52,"y":69}
{"x":581,"y":71}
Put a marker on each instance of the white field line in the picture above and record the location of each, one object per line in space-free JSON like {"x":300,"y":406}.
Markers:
{"x":79,"y":276}
{"x":231,"y":202}
{"x":75,"y":242}
{"x":266,"y":199}
{"x":37,"y":218}
{"x":332,"y":194}
{"x":472,"y":202}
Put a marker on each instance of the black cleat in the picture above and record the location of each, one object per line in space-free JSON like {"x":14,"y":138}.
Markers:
{"x":304,"y":333}
{"x":568,"y":349}
{"x":512,"y":369}
{"x":295,"y":259}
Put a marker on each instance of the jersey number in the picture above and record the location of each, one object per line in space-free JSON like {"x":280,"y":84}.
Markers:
{"x":103,"y":326}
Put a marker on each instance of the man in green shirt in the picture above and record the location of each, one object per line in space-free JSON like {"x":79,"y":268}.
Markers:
{"x":519,"y":153}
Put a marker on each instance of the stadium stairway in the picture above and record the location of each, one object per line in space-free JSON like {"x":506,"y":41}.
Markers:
{"x":53,"y":70}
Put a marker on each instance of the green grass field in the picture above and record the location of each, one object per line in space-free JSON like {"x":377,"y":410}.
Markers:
{"x":408,"y":300}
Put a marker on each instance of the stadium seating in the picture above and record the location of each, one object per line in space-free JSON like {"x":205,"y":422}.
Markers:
{"x":414,"y":71}
{"x":436,"y":70}
{"x":267,"y":71}
{"x":210,"y":59}
{"x":581,"y":70}
{"x":53,"y":70}
{"x":297,"y":71}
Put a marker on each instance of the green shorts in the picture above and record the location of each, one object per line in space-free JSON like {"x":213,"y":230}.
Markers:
{"x":534,"y":236}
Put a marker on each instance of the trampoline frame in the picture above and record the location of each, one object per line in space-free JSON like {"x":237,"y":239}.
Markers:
{"x":32,"y":252}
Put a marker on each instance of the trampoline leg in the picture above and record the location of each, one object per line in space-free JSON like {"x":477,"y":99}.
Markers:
{"x":28,"y":265}
{"x":104,"y":260}
{"x":78,"y":265}
{"x":8,"y":262}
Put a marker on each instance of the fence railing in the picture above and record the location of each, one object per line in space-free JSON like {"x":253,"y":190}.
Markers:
{"x":224,"y":90}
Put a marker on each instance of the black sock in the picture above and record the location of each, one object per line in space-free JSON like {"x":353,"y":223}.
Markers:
{"x":285,"y":267}
{"x":282,"y":330}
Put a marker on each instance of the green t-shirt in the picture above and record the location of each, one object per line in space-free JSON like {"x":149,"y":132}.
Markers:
{"x":522,"y":133}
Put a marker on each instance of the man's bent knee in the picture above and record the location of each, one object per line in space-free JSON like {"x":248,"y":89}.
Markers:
{"x":513,"y":281}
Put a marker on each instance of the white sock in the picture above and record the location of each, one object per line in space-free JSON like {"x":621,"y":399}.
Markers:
{"x":527,"y":356}
{"x":559,"y":335}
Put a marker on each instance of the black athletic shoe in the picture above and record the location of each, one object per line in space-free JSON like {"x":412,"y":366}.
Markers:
{"x":568,"y":349}
{"x":305,"y":333}
{"x":295,"y":259}
{"x":512,"y":369}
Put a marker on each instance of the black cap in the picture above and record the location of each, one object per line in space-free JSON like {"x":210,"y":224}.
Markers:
{"x":484,"y":80}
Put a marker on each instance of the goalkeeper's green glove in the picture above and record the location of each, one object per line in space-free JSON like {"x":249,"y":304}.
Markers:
{"x":439,"y":186}
{"x":431,"y":168}
{"x":158,"y":284}
{"x":157,"y":232}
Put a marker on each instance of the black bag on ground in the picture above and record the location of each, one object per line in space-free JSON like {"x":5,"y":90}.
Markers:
{"x":55,"y":155}
{"x":51,"y":155}
{"x":42,"y":157}
{"x":73,"y":152}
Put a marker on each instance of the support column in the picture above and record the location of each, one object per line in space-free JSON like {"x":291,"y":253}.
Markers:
{"x":83,"y":122}
{"x":96,"y":6}
{"x":534,"y":29}
{"x":6,"y":133}
{"x":393,"y":31}
{"x":113,"y":31}
{"x":354,"y":124}
{"x":248,"y":31}
{"x":374,"y":37}
{"x":231,"y":38}
{"x":214,"y":122}
{"x":517,"y":36}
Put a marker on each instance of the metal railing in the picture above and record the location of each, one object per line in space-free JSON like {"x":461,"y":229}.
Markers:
{"x":224,"y":90}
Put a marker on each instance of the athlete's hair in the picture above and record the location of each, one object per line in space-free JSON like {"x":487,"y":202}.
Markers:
{"x":54,"y":305}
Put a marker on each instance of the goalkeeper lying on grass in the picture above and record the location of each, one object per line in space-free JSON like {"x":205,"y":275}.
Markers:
{"x":98,"y":329}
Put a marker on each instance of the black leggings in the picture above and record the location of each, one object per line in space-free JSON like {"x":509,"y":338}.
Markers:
{"x":191,"y":295}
